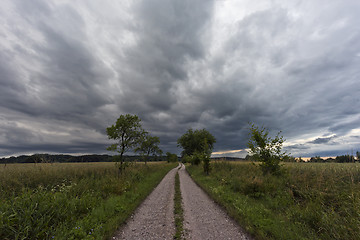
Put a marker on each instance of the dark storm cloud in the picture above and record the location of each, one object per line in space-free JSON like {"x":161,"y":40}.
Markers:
{"x":322,"y":140}
{"x":11,"y":92}
{"x":69,"y":82}
{"x":287,"y":80}
{"x":65,"y":85}
{"x":168,"y":34}
{"x":72,"y":76}
{"x":74,"y":148}
{"x":69,"y":69}
{"x":297,"y":147}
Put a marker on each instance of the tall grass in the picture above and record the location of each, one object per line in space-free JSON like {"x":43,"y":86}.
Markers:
{"x":311,"y":201}
{"x":71,"y":201}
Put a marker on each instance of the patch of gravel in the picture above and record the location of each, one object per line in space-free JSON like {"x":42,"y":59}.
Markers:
{"x":203,"y":218}
{"x":154,"y":218}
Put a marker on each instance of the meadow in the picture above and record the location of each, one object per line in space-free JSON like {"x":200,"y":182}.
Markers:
{"x":72,"y":200}
{"x":309,"y":200}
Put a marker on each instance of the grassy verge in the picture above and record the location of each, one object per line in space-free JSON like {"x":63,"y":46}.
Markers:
{"x":312,"y":201}
{"x":72,"y":201}
{"x":178,"y":210}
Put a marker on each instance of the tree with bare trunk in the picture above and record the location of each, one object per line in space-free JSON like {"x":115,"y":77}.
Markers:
{"x":127,"y":131}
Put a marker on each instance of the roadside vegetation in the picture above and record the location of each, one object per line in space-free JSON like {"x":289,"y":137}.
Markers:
{"x":310,"y":201}
{"x":275,"y":200}
{"x":72,"y":200}
{"x":197,"y":147}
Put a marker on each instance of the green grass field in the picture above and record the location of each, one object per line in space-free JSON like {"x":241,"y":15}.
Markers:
{"x":310,"y":201}
{"x":72,"y":200}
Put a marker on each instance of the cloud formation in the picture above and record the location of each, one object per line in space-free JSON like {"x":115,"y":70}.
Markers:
{"x":69,"y":69}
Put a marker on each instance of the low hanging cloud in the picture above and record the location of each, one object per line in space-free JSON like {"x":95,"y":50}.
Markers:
{"x":322,"y":140}
{"x":69,"y":69}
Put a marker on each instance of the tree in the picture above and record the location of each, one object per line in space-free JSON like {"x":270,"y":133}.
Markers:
{"x":289,"y":159}
{"x":266,"y":150}
{"x":198,"y":146}
{"x":193,"y":141}
{"x":345,"y":158}
{"x":148,"y":145}
{"x":186,"y":159}
{"x":205,"y":155}
{"x":127,"y":131}
{"x":316,"y":159}
{"x":171,"y":157}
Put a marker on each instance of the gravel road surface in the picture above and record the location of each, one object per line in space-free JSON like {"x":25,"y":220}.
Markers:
{"x":154,"y":218}
{"x":203,"y":218}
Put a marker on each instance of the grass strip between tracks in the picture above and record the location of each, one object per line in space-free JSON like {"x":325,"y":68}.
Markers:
{"x":178,"y":210}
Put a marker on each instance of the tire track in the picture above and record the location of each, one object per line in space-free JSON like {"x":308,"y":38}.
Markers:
{"x":203,"y":218}
{"x":154,"y":218}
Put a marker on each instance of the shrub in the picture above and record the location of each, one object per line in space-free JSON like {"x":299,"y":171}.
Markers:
{"x":266,"y":150}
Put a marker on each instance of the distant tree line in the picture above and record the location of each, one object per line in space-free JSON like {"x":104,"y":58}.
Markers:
{"x":339,"y":159}
{"x":49,"y":158}
{"x":317,"y":159}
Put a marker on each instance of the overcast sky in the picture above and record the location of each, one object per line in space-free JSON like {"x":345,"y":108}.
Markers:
{"x":69,"y":69}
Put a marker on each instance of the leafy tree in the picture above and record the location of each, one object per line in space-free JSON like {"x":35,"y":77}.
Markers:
{"x":148,"y":145}
{"x":248,"y":157}
{"x":266,"y":150}
{"x":171,"y":157}
{"x":186,"y":159}
{"x":198,"y":147}
{"x":289,"y":159}
{"x":345,"y":158}
{"x":205,"y":155}
{"x":329,"y":160}
{"x":193,"y":141}
{"x":127,"y":131}
{"x":316,"y":159}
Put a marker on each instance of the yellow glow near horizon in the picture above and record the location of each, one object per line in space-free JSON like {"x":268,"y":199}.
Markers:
{"x":230,"y":151}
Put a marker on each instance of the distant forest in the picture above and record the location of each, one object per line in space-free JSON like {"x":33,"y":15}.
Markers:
{"x":49,"y":158}
{"x":60,"y":158}
{"x":339,"y":159}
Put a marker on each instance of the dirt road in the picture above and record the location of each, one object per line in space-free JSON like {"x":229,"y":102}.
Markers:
{"x":154,"y":219}
{"x":203,"y":218}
